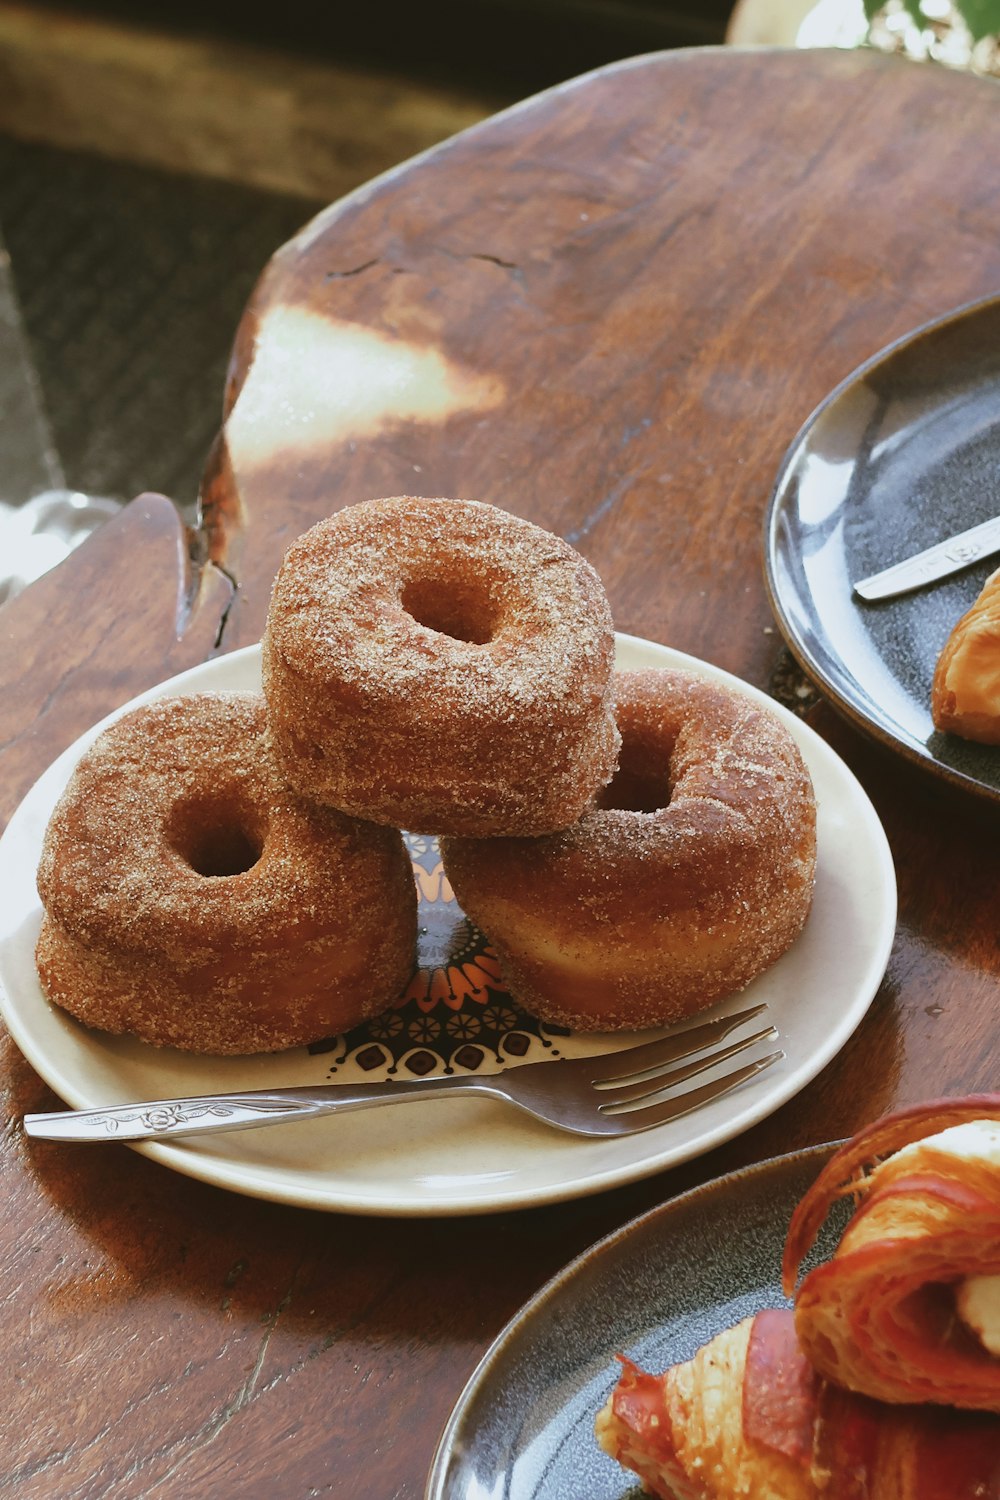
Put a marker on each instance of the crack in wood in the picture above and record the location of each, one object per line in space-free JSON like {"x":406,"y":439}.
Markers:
{"x":244,"y":1396}
{"x":365,"y":265}
{"x":575,"y":536}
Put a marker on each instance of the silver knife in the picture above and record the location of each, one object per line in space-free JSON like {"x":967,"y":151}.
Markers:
{"x":935,"y":562}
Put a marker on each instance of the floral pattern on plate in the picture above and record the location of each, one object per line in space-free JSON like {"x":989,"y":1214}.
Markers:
{"x":455,"y":1015}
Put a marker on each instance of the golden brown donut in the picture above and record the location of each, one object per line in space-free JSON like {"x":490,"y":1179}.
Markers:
{"x":692,"y":878}
{"x":965,"y":692}
{"x":442,"y":666}
{"x":192,"y":900}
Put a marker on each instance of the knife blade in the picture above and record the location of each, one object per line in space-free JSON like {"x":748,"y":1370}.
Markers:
{"x":941,"y":560}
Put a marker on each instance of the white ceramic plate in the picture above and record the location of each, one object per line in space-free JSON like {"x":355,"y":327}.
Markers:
{"x":458,"y":1156}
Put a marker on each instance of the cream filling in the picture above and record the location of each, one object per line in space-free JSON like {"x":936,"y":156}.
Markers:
{"x":977,"y":1298}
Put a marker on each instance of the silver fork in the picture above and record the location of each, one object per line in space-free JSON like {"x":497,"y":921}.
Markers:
{"x":587,"y":1095}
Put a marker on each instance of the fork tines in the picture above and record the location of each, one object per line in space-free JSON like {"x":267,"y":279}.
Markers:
{"x":681,"y":1104}
{"x":643,"y":1075}
{"x":652,"y":1057}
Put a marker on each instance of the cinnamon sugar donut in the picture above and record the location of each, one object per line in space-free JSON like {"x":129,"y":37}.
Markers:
{"x":192,"y":900}
{"x":692,"y":878}
{"x":441,"y":666}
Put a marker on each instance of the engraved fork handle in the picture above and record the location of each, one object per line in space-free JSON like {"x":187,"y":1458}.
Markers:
{"x":160,"y":1118}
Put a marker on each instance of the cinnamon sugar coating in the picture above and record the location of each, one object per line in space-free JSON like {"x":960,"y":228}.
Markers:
{"x":442,"y":666}
{"x":192,"y":900}
{"x":694,"y":880}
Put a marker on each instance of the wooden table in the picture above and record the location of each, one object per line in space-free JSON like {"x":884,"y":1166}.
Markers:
{"x":608,"y":310}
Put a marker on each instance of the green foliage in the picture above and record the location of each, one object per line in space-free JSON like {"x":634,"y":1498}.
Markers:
{"x":981,"y":16}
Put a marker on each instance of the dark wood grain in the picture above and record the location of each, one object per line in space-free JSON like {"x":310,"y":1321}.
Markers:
{"x":618,"y":302}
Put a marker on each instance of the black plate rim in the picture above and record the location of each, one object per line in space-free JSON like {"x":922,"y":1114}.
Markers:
{"x":882,"y":733}
{"x":606,"y":1245}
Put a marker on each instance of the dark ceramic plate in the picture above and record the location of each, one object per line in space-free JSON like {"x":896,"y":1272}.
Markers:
{"x":903,"y":454}
{"x":656,"y":1290}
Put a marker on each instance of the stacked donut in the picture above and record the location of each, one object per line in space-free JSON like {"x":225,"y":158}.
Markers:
{"x":192,"y":900}
{"x":441,"y":666}
{"x":226,"y":872}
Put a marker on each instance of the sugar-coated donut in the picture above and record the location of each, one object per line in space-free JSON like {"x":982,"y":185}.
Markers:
{"x":190,"y":899}
{"x":442,"y":666}
{"x":692,"y":878}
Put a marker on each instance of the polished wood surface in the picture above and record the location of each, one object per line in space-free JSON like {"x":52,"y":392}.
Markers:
{"x":608,"y":310}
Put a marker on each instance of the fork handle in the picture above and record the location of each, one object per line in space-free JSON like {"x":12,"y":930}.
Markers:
{"x":206,"y":1114}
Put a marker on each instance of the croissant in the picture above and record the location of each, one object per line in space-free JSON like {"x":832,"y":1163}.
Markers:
{"x":965,"y":691}
{"x":748,"y":1418}
{"x":908,"y":1307}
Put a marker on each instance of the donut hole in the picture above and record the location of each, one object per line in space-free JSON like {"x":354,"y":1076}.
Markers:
{"x":216,"y":837}
{"x":635,"y":791}
{"x":463,"y":610}
{"x":642,"y":782}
